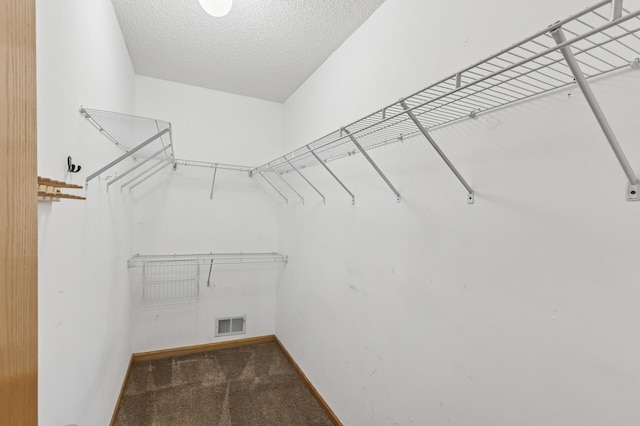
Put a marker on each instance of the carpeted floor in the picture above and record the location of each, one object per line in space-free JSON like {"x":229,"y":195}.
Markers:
{"x":248,"y":385}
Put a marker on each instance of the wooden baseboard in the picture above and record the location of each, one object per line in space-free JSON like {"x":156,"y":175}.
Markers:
{"x":186,"y":350}
{"x":336,"y":421}
{"x":124,"y":385}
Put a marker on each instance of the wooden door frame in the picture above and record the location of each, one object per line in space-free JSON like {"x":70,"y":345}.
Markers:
{"x":18,"y":215}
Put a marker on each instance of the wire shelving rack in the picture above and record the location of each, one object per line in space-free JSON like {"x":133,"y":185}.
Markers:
{"x":175,"y":278}
{"x":147,"y":140}
{"x":599,"y":40}
{"x":207,"y":259}
{"x":215,"y":167}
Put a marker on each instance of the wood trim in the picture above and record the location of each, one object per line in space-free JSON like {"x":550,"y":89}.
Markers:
{"x":124,"y":385}
{"x":186,"y":350}
{"x":18,"y":215}
{"x":336,"y":421}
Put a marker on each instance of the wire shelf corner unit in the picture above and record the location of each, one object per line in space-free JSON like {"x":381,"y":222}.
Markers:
{"x":147,"y":140}
{"x":600,"y":39}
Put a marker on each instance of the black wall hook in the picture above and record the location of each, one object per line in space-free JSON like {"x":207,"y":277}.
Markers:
{"x":72,"y":168}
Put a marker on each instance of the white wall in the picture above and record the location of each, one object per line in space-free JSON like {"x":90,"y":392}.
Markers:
{"x":520,"y":309}
{"x":214,"y":126}
{"x":174,"y":214}
{"x":84,"y":298}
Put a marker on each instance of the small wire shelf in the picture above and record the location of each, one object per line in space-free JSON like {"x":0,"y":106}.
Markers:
{"x":218,"y":166}
{"x":127,"y":131}
{"x":147,"y":140}
{"x":206,"y":259}
{"x":170,"y":284}
{"x":603,"y":39}
{"x":175,"y":278}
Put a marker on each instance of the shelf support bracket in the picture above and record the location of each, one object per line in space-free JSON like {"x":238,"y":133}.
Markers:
{"x":287,"y":183}
{"x":632,"y":186}
{"x":274,"y":187}
{"x":324,"y":200}
{"x":353,"y":198}
{"x":127,"y":155}
{"x":373,"y":164}
{"x":213,"y":181}
{"x":471,"y":196}
{"x":616,"y":9}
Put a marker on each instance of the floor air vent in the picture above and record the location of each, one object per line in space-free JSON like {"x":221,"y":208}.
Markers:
{"x":230,"y":325}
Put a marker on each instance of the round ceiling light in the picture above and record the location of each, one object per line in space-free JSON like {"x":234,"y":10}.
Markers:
{"x":217,"y":8}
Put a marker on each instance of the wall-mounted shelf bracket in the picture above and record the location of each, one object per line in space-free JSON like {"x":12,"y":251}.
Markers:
{"x":275,"y":188}
{"x":632,"y":192}
{"x":213,"y":181}
{"x":324,"y":200}
{"x":470,"y":196}
{"x":373,"y":164}
{"x":560,"y":39}
{"x":288,"y":185}
{"x":353,"y":198}
{"x":616,"y":9}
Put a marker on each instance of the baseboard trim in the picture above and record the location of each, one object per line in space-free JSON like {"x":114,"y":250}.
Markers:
{"x":124,"y":385}
{"x":332,"y":416}
{"x":187,"y":350}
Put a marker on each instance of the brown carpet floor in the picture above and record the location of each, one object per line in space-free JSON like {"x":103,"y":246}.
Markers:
{"x":248,"y":385}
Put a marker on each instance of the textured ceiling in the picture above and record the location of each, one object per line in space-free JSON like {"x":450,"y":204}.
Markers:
{"x":264,"y":48}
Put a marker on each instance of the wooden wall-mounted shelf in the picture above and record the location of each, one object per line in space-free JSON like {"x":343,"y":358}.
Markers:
{"x":49,"y":190}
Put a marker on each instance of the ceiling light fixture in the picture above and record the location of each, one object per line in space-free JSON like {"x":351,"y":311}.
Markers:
{"x":217,"y":8}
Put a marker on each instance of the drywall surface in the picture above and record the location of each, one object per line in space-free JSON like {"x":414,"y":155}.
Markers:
{"x":518,"y":310}
{"x":84,"y":299}
{"x":175,"y":212}
{"x":210,"y":125}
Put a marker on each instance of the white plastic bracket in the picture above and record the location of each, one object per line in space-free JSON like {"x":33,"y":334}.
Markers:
{"x":471,"y":198}
{"x":633,"y":193}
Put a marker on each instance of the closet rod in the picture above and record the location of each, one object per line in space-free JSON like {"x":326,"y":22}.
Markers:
{"x":142,"y":163}
{"x":126,"y":155}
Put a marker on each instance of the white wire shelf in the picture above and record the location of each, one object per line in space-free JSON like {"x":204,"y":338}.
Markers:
{"x":127,"y":131}
{"x":147,"y":140}
{"x":206,"y":259}
{"x":219,"y":166}
{"x":602,"y":38}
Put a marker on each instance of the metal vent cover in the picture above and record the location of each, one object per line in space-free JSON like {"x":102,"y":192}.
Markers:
{"x":231,"y":325}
